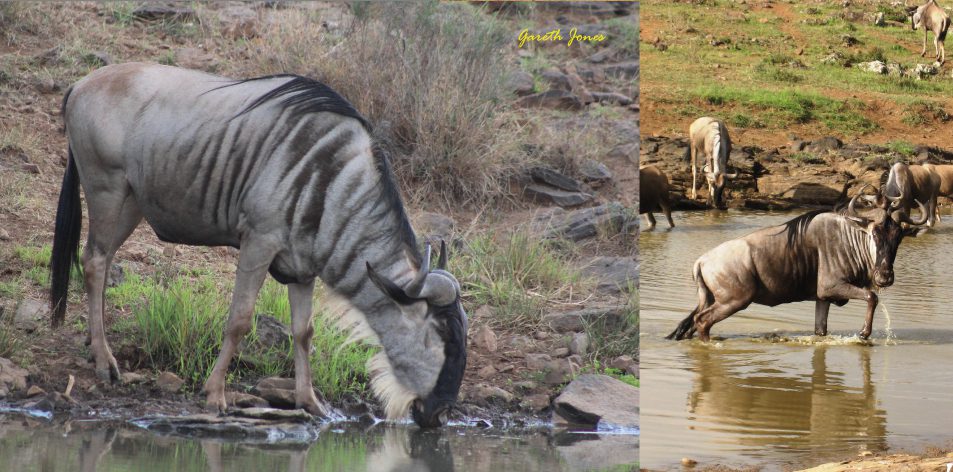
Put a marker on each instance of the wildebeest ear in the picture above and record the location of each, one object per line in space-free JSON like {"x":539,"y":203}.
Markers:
{"x":390,"y":288}
{"x":859,"y":221}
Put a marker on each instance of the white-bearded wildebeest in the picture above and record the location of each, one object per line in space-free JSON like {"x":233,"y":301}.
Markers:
{"x":931,"y":17}
{"x":709,"y":137}
{"x":914,"y":183}
{"x":829,"y":257}
{"x":653,"y":194}
{"x":283,"y":168}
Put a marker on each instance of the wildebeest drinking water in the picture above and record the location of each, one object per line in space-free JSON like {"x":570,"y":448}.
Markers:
{"x":709,"y":138}
{"x":826,"y":256}
{"x":915,"y":183}
{"x":283,"y":168}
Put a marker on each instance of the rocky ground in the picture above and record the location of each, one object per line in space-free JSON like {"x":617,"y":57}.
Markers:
{"x":511,"y":372}
{"x":801,"y":173}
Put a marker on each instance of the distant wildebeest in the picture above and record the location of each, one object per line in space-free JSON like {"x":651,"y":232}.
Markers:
{"x":653,"y":194}
{"x":931,"y":17}
{"x":285,"y":169}
{"x":826,"y":256}
{"x":945,"y":173}
{"x":914,"y":183}
{"x":709,"y":138}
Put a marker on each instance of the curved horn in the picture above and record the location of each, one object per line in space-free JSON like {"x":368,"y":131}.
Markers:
{"x":442,"y":260}
{"x":924,"y":215}
{"x":439,"y":289}
{"x":417,"y":284}
{"x":851,"y":211}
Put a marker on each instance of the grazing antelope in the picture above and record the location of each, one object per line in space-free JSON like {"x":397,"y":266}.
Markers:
{"x":653,"y":194}
{"x":285,"y":169}
{"x":709,"y":137}
{"x":931,"y":17}
{"x":825,"y":256}
{"x":914,"y":183}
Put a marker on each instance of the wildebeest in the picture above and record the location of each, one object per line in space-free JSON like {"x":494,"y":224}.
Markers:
{"x":945,"y":173}
{"x":914,"y":183}
{"x":709,"y":137}
{"x":826,"y":256}
{"x":285,"y":169}
{"x":931,"y":17}
{"x":653,"y":194}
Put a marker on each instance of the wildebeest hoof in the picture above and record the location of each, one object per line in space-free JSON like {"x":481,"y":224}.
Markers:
{"x":215,"y":404}
{"x":110,"y":373}
{"x":864,"y":335}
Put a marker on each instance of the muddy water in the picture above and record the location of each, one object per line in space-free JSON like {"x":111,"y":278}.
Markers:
{"x":120,"y":446}
{"x":766,"y":391}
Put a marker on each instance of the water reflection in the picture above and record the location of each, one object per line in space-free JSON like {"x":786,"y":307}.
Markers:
{"x":810,"y":412}
{"x":30,"y":445}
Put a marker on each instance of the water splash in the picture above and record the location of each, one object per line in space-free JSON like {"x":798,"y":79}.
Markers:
{"x":890,"y":338}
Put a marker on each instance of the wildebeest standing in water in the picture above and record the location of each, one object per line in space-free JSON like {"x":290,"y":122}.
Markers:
{"x":709,"y":137}
{"x":931,"y":17}
{"x":914,"y":183}
{"x":653,"y":194}
{"x":829,"y":257}
{"x":283,"y":168}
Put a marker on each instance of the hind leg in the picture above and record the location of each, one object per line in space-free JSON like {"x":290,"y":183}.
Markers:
{"x":713,"y":314}
{"x":667,"y":210}
{"x":112,"y":218}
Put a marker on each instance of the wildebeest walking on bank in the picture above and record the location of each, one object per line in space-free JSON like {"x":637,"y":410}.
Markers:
{"x":283,"y":168}
{"x":653,"y":194}
{"x":931,"y":17}
{"x":914,"y":183}
{"x":829,"y":257}
{"x":709,"y":137}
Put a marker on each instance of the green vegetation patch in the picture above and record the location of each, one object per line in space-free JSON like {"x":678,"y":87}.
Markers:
{"x":786,"y":107}
{"x":517,"y":275}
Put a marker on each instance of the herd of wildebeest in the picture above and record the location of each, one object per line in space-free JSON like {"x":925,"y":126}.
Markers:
{"x":828,"y":255}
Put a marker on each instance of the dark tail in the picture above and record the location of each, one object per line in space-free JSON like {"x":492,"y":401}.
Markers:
{"x":69,"y":222}
{"x":685,"y":328}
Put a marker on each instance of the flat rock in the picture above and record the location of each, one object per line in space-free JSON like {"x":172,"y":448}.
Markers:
{"x":245,"y":400}
{"x":552,"y":99}
{"x":485,"y":394}
{"x":594,"y":399}
{"x":577,"y":320}
{"x":583,"y":223}
{"x":35,"y":390}
{"x":556,"y":79}
{"x":169,"y":382}
{"x":595,"y":171}
{"x":284,"y":383}
{"x":613,"y":98}
{"x":29,"y":314}
{"x":11,"y":377}
{"x":155,"y":11}
{"x":293,"y":430}
{"x":521,"y":83}
{"x":298,"y":415}
{"x":625,"y":70}
{"x":536,"y":361}
{"x":550,"y":177}
{"x":562,"y":198}
{"x":613,"y":274}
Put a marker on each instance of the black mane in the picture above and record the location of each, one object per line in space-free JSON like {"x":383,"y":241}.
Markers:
{"x":305,"y":96}
{"x":796,"y":227}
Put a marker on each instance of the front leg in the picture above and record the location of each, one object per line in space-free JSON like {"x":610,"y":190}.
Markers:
{"x":651,"y":220}
{"x":846,"y":291}
{"x":924,"y":52}
{"x":821,"y":309}
{"x":299,"y":296}
{"x":253,"y":262}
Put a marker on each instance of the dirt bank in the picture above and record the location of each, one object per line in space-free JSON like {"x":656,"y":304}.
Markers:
{"x":804,"y":172}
